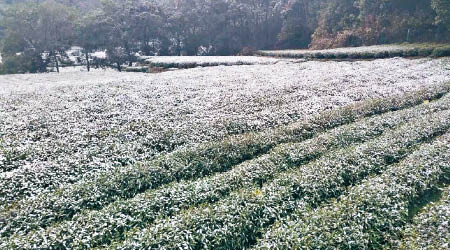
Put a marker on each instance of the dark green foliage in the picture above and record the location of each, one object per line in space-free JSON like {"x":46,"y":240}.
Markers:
{"x":442,"y":9}
{"x":395,"y":53}
{"x":33,"y":30}
{"x":383,"y":54}
{"x":427,"y":230}
{"x":367,"y":55}
{"x":341,"y":55}
{"x":425,"y":51}
{"x":413,"y":52}
{"x":441,"y":51}
{"x":16,"y":64}
{"x":318,"y":55}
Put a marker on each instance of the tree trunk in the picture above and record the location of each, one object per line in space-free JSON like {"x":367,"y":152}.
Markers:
{"x":56,"y":62}
{"x":42,"y":64}
{"x":179,"y":47}
{"x":87,"y":62}
{"x":118,"y":67}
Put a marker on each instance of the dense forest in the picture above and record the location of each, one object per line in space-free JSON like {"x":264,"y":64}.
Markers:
{"x":37,"y":33}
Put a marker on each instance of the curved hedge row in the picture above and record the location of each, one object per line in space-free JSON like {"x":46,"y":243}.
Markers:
{"x":369,"y":52}
{"x":185,"y":62}
{"x":193,"y":163}
{"x":103,"y":226}
{"x":237,"y":221}
{"x":430,"y":228}
{"x":372,"y":213}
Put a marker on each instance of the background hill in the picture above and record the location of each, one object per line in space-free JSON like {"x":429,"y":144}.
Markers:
{"x":214,"y":27}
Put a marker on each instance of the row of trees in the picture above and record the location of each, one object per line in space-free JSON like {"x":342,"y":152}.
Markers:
{"x":354,"y":23}
{"x":43,"y":30}
{"x":36,"y":33}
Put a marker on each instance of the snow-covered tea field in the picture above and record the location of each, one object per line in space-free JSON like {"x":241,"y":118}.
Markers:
{"x":287,"y":154}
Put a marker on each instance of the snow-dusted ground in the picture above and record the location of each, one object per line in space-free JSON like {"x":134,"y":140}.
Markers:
{"x":82,"y":68}
{"x":205,"y":61}
{"x":55,"y":128}
{"x":69,"y":76}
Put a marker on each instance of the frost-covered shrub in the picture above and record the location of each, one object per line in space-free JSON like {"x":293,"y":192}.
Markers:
{"x":425,"y":51}
{"x":381,"y":54}
{"x":130,"y":180}
{"x":430,"y":228}
{"x":412,"y":52}
{"x":366,"y":55}
{"x":109,"y":223}
{"x":191,"y":163}
{"x":318,"y":55}
{"x":377,"y":51}
{"x":237,"y":221}
{"x":341,"y":55}
{"x":185,"y":62}
{"x":396,"y":53}
{"x":330,"y":56}
{"x":146,"y":116}
{"x":441,"y":51}
{"x":373,"y":213}
{"x":355,"y":55}
{"x":136,"y":69}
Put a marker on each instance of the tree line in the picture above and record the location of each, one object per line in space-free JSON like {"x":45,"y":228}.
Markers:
{"x":36,"y":33}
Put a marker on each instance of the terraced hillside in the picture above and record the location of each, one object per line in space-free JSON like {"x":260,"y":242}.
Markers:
{"x":369,"y":172}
